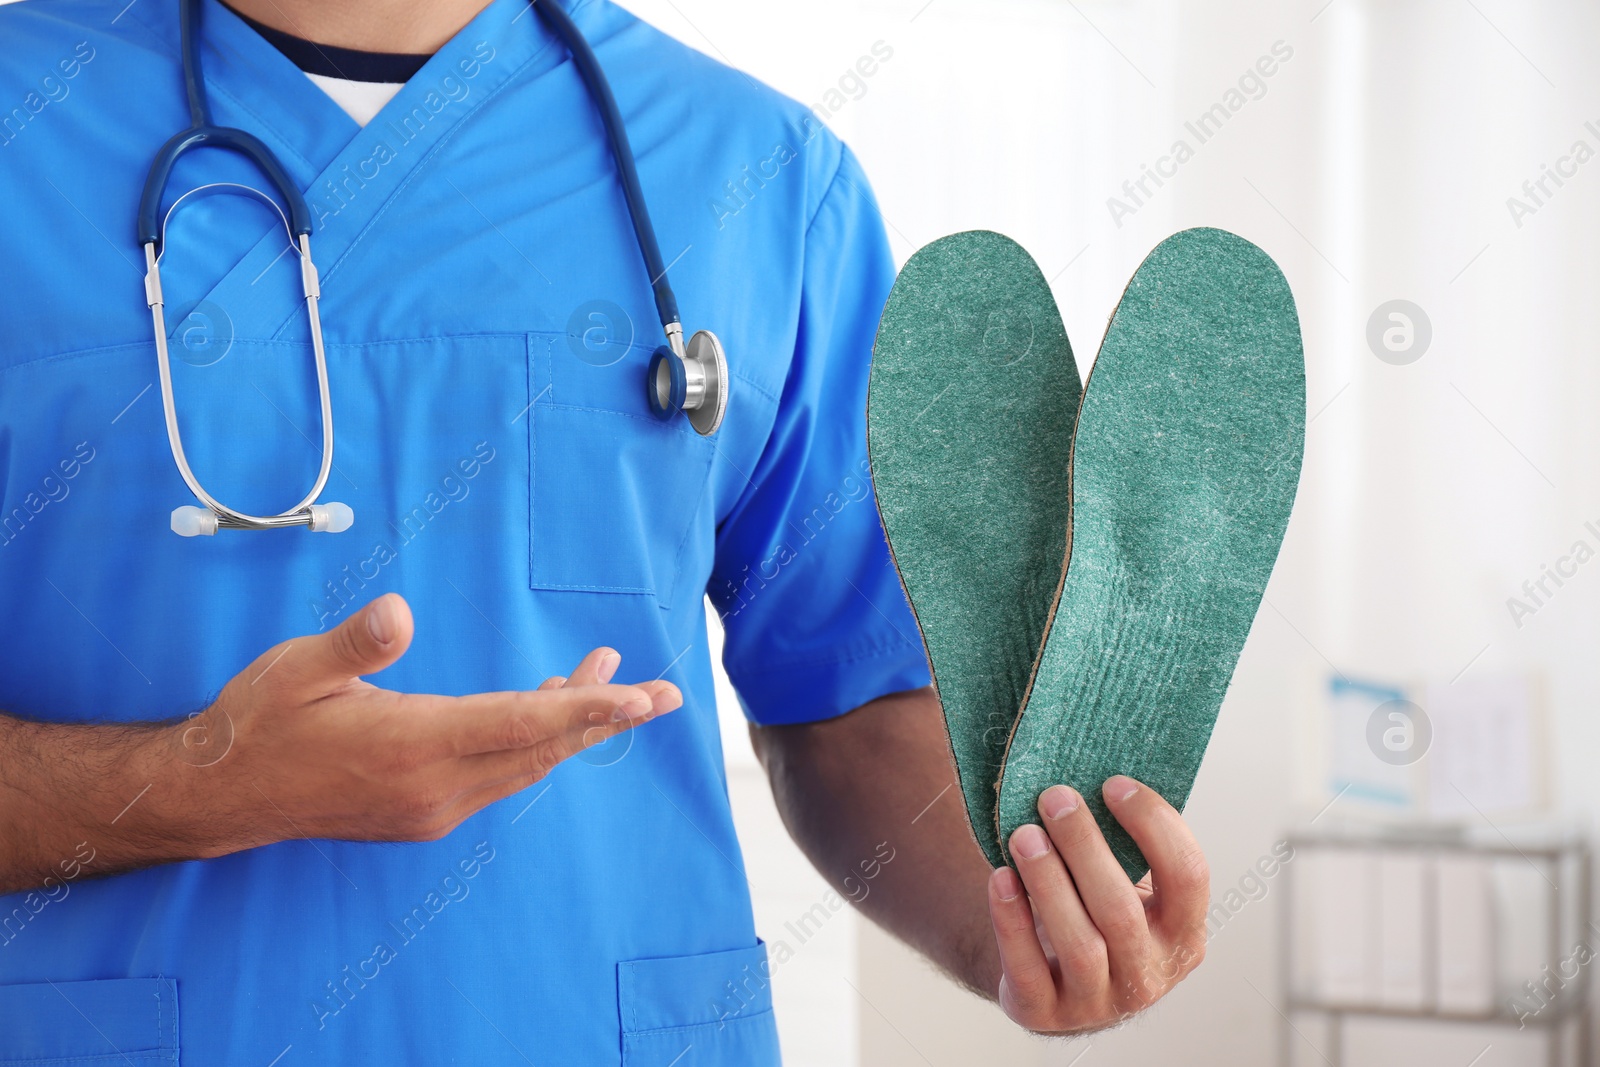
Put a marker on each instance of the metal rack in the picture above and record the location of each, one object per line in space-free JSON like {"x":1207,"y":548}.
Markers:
{"x":1563,"y":861}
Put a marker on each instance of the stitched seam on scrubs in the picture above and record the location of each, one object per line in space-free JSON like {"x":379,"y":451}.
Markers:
{"x":753,"y":486}
{"x":214,"y":91}
{"x":633,"y":1003}
{"x":422,"y":164}
{"x":539,"y":366}
{"x":149,"y":345}
{"x":78,"y":354}
{"x":170,"y":1038}
{"x":688,"y":532}
{"x":394,"y":343}
{"x":90,"y":1061}
{"x":647,"y":349}
{"x":689,"y":1028}
{"x":648,"y":420}
{"x":504,"y":335}
{"x":753,"y":386}
{"x":827,"y":190}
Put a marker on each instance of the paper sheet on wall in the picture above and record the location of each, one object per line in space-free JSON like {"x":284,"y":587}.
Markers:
{"x":1484,"y":759}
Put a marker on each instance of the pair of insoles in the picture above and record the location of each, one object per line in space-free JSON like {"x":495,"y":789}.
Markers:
{"x":1084,"y":562}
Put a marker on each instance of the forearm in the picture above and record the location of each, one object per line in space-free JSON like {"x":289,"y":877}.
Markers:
{"x":880,"y":775}
{"x":306,"y":749}
{"x":89,"y":800}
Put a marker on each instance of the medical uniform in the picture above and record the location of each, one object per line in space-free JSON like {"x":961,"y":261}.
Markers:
{"x":488,"y":323}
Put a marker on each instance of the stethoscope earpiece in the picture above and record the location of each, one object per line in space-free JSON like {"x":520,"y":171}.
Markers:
{"x":194,"y":521}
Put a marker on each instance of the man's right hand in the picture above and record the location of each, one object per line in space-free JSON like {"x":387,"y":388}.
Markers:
{"x":298,"y":745}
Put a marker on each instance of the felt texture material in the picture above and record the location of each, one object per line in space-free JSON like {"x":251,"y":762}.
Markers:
{"x":971,"y":404}
{"x":1183,"y":465}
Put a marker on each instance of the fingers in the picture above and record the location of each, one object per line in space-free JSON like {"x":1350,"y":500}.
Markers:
{"x":597,"y":668}
{"x":1180,"y":878}
{"x":500,"y":722}
{"x":1084,"y":947}
{"x":1081,"y":951}
{"x":1027,"y":985}
{"x":664,"y":695}
{"x":365,"y":643}
{"x":555,"y":681}
{"x":1110,"y":899}
{"x":528,"y":764}
{"x":590,"y":725}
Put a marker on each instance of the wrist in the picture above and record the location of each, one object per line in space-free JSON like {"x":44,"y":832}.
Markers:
{"x":182,"y":792}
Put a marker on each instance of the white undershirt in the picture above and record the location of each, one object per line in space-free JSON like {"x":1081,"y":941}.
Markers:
{"x":360,"y":100}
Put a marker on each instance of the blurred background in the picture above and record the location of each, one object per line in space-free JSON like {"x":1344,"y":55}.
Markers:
{"x":1397,"y":797}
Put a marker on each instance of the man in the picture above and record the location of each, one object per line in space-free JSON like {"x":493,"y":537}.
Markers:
{"x":299,"y":866}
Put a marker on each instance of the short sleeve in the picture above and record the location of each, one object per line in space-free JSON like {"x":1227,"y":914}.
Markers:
{"x":815,"y":618}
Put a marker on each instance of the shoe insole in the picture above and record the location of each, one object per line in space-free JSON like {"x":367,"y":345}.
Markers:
{"x":1185,"y":463}
{"x":1183,"y":467}
{"x":970,"y":410}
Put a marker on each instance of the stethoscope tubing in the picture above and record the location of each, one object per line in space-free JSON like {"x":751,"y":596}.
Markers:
{"x":599,"y":87}
{"x":698,"y":379}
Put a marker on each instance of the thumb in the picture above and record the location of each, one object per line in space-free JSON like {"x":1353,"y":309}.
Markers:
{"x":365,"y":643}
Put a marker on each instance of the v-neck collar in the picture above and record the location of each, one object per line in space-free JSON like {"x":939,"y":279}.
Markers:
{"x":255,"y":87}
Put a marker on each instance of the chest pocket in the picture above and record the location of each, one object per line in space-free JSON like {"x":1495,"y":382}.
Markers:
{"x":617,"y":502}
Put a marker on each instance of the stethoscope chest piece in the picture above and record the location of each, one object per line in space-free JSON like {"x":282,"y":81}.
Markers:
{"x":694,"y":382}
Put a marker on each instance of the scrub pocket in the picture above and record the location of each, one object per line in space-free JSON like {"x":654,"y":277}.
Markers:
{"x":618,"y":496}
{"x":713,"y":1010}
{"x":129,"y":1022}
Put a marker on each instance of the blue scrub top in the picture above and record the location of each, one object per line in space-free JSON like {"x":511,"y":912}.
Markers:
{"x":488,"y":322}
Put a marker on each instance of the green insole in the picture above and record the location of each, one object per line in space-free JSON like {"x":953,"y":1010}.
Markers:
{"x":1183,"y":467}
{"x":970,"y":409}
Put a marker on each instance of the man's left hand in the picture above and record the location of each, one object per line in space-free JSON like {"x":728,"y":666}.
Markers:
{"x":1070,"y":946}
{"x":1082,"y":947}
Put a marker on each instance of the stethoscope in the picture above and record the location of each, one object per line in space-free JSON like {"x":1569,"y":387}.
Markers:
{"x":691,"y":378}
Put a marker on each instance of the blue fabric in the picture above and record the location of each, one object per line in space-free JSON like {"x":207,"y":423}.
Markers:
{"x":138,"y":1017}
{"x":489,"y":323}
